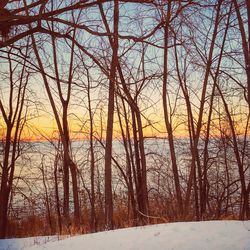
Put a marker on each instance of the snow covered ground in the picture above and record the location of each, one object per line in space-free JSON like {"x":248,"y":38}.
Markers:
{"x":183,"y":235}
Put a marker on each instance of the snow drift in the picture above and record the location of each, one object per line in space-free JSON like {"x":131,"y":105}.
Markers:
{"x":182,"y":235}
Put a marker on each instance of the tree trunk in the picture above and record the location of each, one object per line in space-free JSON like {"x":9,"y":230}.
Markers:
{"x":166,"y":115}
{"x":110,"y":118}
{"x":59,"y":219}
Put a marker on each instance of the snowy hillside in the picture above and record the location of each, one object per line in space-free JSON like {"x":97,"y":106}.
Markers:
{"x":183,"y":235}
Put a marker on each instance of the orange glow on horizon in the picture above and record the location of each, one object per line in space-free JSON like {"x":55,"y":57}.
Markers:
{"x":44,"y":128}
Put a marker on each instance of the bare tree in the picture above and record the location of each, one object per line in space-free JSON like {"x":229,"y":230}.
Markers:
{"x":13,"y":110}
{"x":110,"y":118}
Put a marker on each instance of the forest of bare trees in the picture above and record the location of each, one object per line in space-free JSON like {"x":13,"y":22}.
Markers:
{"x":122,"y":113}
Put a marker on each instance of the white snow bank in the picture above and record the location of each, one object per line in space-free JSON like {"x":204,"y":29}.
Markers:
{"x":182,"y":235}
